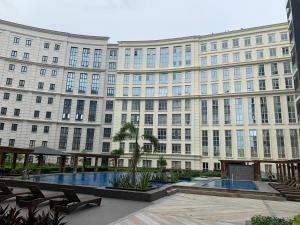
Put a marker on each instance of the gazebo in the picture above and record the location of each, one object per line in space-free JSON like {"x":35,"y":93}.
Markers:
{"x":46,"y":151}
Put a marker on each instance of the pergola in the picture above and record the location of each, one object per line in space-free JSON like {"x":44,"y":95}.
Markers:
{"x":286,"y":169}
{"x":85,"y":155}
{"x":15,"y":151}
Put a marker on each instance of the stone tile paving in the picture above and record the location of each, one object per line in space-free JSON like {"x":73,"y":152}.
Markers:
{"x":189,"y":209}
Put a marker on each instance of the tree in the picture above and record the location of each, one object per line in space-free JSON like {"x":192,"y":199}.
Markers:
{"x":129,"y":132}
{"x":117,"y":153}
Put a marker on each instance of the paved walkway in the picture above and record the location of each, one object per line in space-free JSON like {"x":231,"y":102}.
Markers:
{"x":189,"y":209}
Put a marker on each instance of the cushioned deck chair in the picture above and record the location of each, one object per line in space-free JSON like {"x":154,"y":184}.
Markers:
{"x":71,"y":201}
{"x":7,"y":193}
{"x":282,"y":185}
{"x":35,"y":197}
{"x":292,"y":196}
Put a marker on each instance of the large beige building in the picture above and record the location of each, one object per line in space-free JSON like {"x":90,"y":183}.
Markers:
{"x":221,"y":96}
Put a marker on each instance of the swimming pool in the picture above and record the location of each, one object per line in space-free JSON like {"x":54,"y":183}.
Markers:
{"x":231,"y":184}
{"x":100,"y":179}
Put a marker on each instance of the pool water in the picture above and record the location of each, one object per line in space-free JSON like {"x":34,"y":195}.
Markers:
{"x":100,"y":179}
{"x":232,"y":184}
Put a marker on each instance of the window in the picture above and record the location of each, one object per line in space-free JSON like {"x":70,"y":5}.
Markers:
{"x":14,"y":54}
{"x":247,"y":41}
{"x":176,"y":119}
{"x":26,"y":56}
{"x":250,"y":85}
{"x":272,"y":52}
{"x":46,"y":129}
{"x":163,"y":91}
{"x":291,"y":109}
{"x":253,"y":142}
{"x":97,"y":58}
{"x":67,"y":109}
{"x":294,"y":143}
{"x":36,"y":114}
{"x":23,"y":69}
{"x":214,"y":88}
{"x":162,"y":134}
{"x":203,"y":47}
{"x":203,"y":89}
{"x":204,"y":115}
{"x":137,"y":79}
{"x":214,"y":59}
{"x":239,"y":111}
{"x":213,"y":46}
{"x":16,"y":113}
{"x":92,"y":111}
{"x":203,"y":76}
{"x":176,"y":149}
{"x":150,"y":79}
{"x":48,"y":115}
{"x":107,"y":132}
{"x":19,"y":97}
{"x":240,"y":143}
{"x":163,"y":78}
{"x":14,"y":127}
{"x":188,"y":151}
{"x":204,"y":143}
{"x":176,"y":105}
{"x":16,"y":40}
{"x":226,"y":74}
{"x":274,"y":69}
{"x":95,"y":84}
{"x":264,"y":110}
{"x":34,"y":128}
{"x":9,"y":81}
{"x":21,"y":83}
{"x":187,"y":119}
{"x":214,"y":75}
{"x":82,"y":83}
{"x":135,"y":106}
{"x":238,"y":86}
{"x":85,"y":57}
{"x":288,"y":82}
{"x":148,"y":119}
{"x":149,"y":105}
{"x":188,"y":76}
{"x":280,"y":143}
{"x":162,"y":105}
{"x":251,"y":110}
{"x":225,"y":58}
{"x":43,"y":72}
{"x":226,"y":87}
{"x":137,"y":63}
{"x":176,"y":78}
{"x":266,"y":143}
{"x":187,"y":89}
{"x":136,"y":91}
{"x":73,"y":56}
{"x":123,"y":118}
{"x":249,"y":72}
{"x":151,"y":56}
{"x":215,"y":111}
{"x":53,"y":73}
{"x":225,"y":44}
{"x":6,"y":95}
{"x":283,"y":36}
{"x":11,"y":67}
{"x":28,"y":42}
{"x":205,"y":166}
{"x":259,"y":39}
{"x":44,"y":59}
{"x":113,"y":54}
{"x":164,"y":57}
{"x":11,"y":142}
{"x":188,"y":55}
{"x":110,"y":91}
{"x":3,"y":110}
{"x":162,"y":119}
{"x":188,"y":134}
{"x":228,"y":143}
{"x":287,"y":67}
{"x":176,"y":90}
{"x":235,"y":43}
{"x":216,"y":143}
{"x":237,"y":72}
{"x":260,"y":54}
{"x":1,"y":126}
{"x":187,"y":104}
{"x":236,"y":57}
{"x":275,"y":84}
{"x":76,"y":139}
{"x":55,"y":60}
{"x":149,"y":91}
{"x":248,"y":55}
{"x":89,"y":138}
{"x":52,"y":87}
{"x":271,"y":38}
{"x":79,"y":110}
{"x":285,"y":51}
{"x":262,"y":85}
{"x":38,"y":99}
{"x":70,"y":82}
{"x":227,"y":118}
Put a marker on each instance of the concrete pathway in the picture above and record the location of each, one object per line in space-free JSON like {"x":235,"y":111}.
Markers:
{"x":189,"y":209}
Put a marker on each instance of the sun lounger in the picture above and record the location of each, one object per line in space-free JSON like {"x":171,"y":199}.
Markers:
{"x":71,"y":201}
{"x":35,"y":197}
{"x":7,"y":193}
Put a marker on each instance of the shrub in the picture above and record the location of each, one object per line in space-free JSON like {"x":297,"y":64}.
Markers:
{"x":267,"y":220}
{"x":12,"y":216}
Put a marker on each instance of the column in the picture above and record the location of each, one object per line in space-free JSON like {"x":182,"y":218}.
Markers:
{"x":277,"y":171}
{"x":298,"y":167}
{"x":223,"y":174}
{"x":14,"y":161}
{"x":293,"y":171}
{"x":75,"y":164}
{"x":83,"y":164}
{"x":25,"y":164}
{"x":63,"y":164}
{"x":284,"y":172}
{"x":96,"y":164}
{"x":280,"y":173}
{"x":2,"y":160}
{"x":289,"y":171}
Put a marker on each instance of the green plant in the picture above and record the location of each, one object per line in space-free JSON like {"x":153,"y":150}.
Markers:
{"x":117,"y":153}
{"x":129,"y":132}
{"x":267,"y":220}
{"x":296,"y":220}
{"x":12,"y":216}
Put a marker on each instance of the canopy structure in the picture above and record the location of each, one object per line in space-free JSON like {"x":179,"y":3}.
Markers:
{"x":43,"y":150}
{"x":4,"y":150}
{"x":286,"y":169}
{"x":85,"y":155}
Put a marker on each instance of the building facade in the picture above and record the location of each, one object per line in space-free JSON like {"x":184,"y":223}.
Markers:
{"x":293,"y":15}
{"x":221,"y":96}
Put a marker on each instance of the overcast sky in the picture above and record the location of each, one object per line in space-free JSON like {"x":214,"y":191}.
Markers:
{"x":143,"y":19}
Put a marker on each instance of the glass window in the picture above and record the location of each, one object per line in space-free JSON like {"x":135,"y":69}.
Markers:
{"x":149,"y":91}
{"x":247,"y":41}
{"x":216,"y":143}
{"x":251,"y":110}
{"x":163,"y":78}
{"x":177,"y":56}
{"x":164,"y":57}
{"x":226,"y":74}
{"x":236,"y":57}
{"x":291,"y":109}
{"x":272,"y":52}
{"x":214,"y":59}
{"x":264,"y":110}
{"x":228,"y":143}
{"x":226,"y":87}
{"x":150,"y":79}
{"x":203,"y":47}
{"x":249,"y":71}
{"x":203,"y":76}
{"x":127,"y":58}
{"x":253,"y":142}
{"x":188,"y":55}
{"x":151,"y":56}
{"x":235,"y":43}
{"x":73,"y":56}
{"x":213,"y":46}
{"x":238,"y":86}
{"x":215,"y":111}
{"x":280,"y":143}
{"x":225,"y":44}
{"x":227,"y":117}
{"x":250,"y":85}
{"x":240,"y":143}
{"x":214,"y":88}
{"x":239,"y":111}
{"x":82,"y":83}
{"x":163,"y":91}
{"x":294,"y":143}
{"x":138,"y":58}
{"x":95,"y":84}
{"x":275,"y":84}
{"x":214,"y":75}
{"x":225,"y":58}
{"x":76,"y":139}
{"x":266,"y":143}
{"x":85,"y":57}
{"x":204,"y":143}
{"x":259,"y":39}
{"x":176,"y":90}
{"x":272,"y":38}
{"x":203,"y":89}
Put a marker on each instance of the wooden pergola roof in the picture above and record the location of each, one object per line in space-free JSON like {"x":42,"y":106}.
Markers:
{"x":6,"y":149}
{"x":43,"y":150}
{"x":84,"y":154}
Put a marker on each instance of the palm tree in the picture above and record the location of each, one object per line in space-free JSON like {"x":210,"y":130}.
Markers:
{"x":117,"y":153}
{"x":129,"y":132}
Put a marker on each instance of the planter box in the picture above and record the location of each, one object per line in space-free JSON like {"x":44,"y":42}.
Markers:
{"x":133,"y":189}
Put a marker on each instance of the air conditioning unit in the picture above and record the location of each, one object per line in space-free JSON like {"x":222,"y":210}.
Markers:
{"x":68,"y":116}
{"x":64,"y":116}
{"x":81,"y":117}
{"x":77,"y":116}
